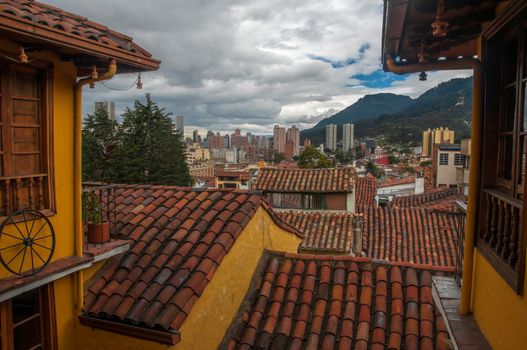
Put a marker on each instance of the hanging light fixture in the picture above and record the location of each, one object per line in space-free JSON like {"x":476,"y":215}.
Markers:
{"x":139,"y":84}
{"x":440,"y":26}
{"x":22,"y":57}
{"x":94,"y":73}
{"x":423,"y":76}
{"x":422,"y":56}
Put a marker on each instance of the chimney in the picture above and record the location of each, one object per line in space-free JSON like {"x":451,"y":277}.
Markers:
{"x":356,"y":244}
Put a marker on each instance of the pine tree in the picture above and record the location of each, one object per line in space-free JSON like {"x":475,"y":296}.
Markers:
{"x":99,"y":144}
{"x":150,"y":151}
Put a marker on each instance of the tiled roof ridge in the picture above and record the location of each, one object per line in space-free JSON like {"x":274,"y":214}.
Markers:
{"x":361,"y":259}
{"x":179,"y":188}
{"x":277,"y":220}
{"x":415,"y":200}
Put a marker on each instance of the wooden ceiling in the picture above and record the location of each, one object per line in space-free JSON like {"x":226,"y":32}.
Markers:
{"x":408,"y":26}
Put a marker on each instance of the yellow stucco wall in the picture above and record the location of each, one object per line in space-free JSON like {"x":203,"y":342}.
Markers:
{"x":500,"y":313}
{"x":214,"y":311}
{"x":64,"y":78}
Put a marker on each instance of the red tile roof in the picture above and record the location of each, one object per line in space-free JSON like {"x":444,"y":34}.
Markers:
{"x":415,"y":235}
{"x":394,"y":181}
{"x":366,"y":191}
{"x":178,"y":239}
{"x":305,"y":180}
{"x":314,"y":302}
{"x":323,"y":231}
{"x":439,"y":198}
{"x":28,"y":18}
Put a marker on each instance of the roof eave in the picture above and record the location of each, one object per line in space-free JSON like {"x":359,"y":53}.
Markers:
{"x":10,"y":23}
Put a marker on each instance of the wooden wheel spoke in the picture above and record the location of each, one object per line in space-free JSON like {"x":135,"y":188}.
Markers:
{"x":25,"y":223}
{"x":43,"y":237}
{"x":17,"y":254}
{"x":43,"y":261}
{"x":32,"y":225}
{"x":7,"y":234}
{"x":23,"y":259}
{"x":40,"y":245}
{"x":11,"y":246}
{"x":32,"y":262}
{"x":16,"y":226}
{"x":39,"y":230}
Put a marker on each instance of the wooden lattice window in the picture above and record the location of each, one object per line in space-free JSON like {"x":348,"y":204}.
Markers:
{"x":24,"y":138}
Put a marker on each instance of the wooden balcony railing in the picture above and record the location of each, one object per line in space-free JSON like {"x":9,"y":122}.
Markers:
{"x":23,"y":192}
{"x":500,"y":236}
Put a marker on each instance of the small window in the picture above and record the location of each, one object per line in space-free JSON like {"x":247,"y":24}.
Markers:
{"x":443,"y":158}
{"x":458,"y":159}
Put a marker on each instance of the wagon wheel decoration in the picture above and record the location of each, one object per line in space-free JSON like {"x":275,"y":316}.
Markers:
{"x":27,"y":242}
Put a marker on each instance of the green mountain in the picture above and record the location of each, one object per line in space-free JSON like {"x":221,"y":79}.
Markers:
{"x":402,"y":119}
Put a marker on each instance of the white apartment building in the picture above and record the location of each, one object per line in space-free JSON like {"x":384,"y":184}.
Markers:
{"x":347,"y":137}
{"x":331,"y":137}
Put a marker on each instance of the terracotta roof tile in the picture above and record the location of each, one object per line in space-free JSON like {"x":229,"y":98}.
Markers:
{"x":305,"y":180}
{"x":59,"y":26}
{"x":322,"y":231}
{"x":171,"y":261}
{"x":362,"y":319}
{"x":438,"y":198}
{"x":415,"y":235}
{"x":366,"y":190}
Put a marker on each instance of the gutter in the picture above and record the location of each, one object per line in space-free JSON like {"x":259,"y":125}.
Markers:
{"x":77,"y":172}
{"x":455,"y":64}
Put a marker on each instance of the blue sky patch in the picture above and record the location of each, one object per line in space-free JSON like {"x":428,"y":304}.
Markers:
{"x":378,"y":79}
{"x":334,"y":64}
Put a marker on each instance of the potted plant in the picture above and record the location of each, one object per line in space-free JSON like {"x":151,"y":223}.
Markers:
{"x":98,"y":229}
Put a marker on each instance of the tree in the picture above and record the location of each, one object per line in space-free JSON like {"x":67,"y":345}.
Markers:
{"x":373,"y":169}
{"x":426,"y":163}
{"x":313,"y":158}
{"x":279,"y":157}
{"x":151,"y":150}
{"x":393,"y":159}
{"x":99,"y":145}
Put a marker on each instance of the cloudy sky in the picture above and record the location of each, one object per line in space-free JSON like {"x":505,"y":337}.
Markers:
{"x":251,"y":63}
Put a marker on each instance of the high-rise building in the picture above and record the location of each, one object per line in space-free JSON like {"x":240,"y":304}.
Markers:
{"x":279,"y":139}
{"x":293,"y":134}
{"x":436,"y":136}
{"x":226,"y":141}
{"x":289,"y":149}
{"x":107,"y":106}
{"x":331,"y":137}
{"x":195,"y":136}
{"x":347,"y":137}
{"x":180,"y":124}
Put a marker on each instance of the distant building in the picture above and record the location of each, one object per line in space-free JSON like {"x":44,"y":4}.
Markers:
{"x":307,"y":143}
{"x":233,"y":179}
{"x":331,"y":137}
{"x":279,"y":138}
{"x":226,"y":141}
{"x":180,"y":124}
{"x":435,"y":137}
{"x":289,"y":150}
{"x":107,"y":106}
{"x":445,"y":159}
{"x":463,"y":171}
{"x":195,"y":136}
{"x":347,"y":137}
{"x":293,"y":135}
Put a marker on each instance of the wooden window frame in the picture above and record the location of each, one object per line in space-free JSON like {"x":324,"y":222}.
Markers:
{"x":47,"y":316}
{"x":46,"y":105}
{"x":494,"y":189}
{"x":441,"y":161}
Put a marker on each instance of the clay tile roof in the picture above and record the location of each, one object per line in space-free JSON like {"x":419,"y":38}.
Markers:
{"x":179,"y":238}
{"x":415,"y":235}
{"x":393,"y":181}
{"x":305,"y":180}
{"x":439,"y":198}
{"x":309,"y":302}
{"x":323,"y":231}
{"x":366,"y":191}
{"x":54,"y":25}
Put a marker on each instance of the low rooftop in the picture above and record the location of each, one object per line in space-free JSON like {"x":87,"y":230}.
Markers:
{"x":312,"y":302}
{"x":305,"y":180}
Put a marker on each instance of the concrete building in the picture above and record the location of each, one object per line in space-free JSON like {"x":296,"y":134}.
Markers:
{"x":107,"y":106}
{"x":446,"y":158}
{"x":347,"y":137}
{"x":195,"y":136}
{"x":180,"y":124}
{"x":331,"y":137}
{"x":293,"y":135}
{"x":279,"y":137}
{"x":289,"y":150}
{"x":434,"y":137}
{"x":462,"y":174}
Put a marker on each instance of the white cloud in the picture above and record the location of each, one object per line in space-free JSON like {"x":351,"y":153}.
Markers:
{"x":248,"y":63}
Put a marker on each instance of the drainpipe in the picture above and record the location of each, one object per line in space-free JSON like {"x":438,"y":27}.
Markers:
{"x":475,"y":161}
{"x":77,"y":172}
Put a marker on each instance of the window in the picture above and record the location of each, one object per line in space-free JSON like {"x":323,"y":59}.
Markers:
{"x":28,"y":321}
{"x":24,"y":123}
{"x":443,"y":158}
{"x":458,"y":159}
{"x":314,"y":201}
